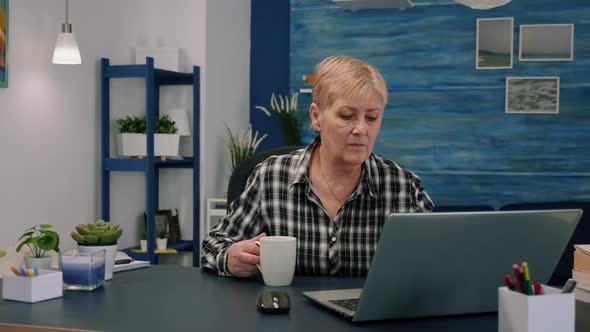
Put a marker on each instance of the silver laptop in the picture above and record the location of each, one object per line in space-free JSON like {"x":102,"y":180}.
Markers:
{"x":432,"y":264}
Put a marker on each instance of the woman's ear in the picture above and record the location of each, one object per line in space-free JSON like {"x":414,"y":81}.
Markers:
{"x":315,"y":113}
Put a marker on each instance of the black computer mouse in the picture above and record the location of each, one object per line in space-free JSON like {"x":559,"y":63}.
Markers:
{"x":273,"y":301}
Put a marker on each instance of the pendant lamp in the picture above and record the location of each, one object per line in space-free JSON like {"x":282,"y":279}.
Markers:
{"x":66,"y":50}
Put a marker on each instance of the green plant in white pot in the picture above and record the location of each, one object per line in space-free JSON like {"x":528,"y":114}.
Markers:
{"x":132,"y":136}
{"x":40,"y":240}
{"x":161,"y":239}
{"x":143,"y":242}
{"x":101,"y":235}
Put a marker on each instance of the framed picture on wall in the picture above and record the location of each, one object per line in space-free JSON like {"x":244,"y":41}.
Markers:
{"x":3,"y":43}
{"x":530,"y":95}
{"x":546,"y":42}
{"x":494,"y":43}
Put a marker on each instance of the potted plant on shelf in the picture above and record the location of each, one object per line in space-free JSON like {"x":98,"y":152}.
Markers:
{"x":166,"y":139}
{"x":101,"y":235}
{"x":162,"y":239}
{"x":40,"y":240}
{"x":132,"y":136}
{"x":2,"y":253}
{"x":143,"y":242}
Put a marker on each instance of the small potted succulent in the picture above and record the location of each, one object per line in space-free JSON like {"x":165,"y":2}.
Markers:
{"x":101,"y":235}
{"x":161,"y":239}
{"x":2,"y":253}
{"x":132,"y":136}
{"x":143,"y":241}
{"x":40,"y":240}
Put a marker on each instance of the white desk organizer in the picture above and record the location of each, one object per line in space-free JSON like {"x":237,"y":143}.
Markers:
{"x":549,"y":312}
{"x":48,"y":285}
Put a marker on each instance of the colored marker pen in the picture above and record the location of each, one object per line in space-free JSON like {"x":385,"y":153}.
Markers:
{"x":526,"y":281}
{"x":15,"y":271}
{"x":22,"y":270}
{"x":36,"y":269}
{"x":569,"y":286}
{"x":527,"y":287}
{"x":517,"y":279}
{"x":508,"y":282}
{"x":538,"y":289}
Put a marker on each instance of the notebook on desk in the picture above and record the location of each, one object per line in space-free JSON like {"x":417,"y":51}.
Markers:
{"x":433,"y":264}
{"x":130,"y":265}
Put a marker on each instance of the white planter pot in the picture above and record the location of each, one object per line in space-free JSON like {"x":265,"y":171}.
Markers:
{"x":135,"y":144}
{"x":143,"y":245}
{"x":132,"y":144}
{"x":110,"y":255}
{"x":166,"y":144}
{"x":43,"y":263}
{"x":161,"y":244}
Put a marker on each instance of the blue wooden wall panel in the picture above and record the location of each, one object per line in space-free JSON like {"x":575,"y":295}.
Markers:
{"x":269,"y":65}
{"x":500,"y":189}
{"x":445,"y":119}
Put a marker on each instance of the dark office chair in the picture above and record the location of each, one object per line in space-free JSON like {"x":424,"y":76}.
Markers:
{"x":239,"y":177}
{"x":581,"y":234}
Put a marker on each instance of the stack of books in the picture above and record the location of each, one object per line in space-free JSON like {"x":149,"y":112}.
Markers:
{"x":581,"y":272}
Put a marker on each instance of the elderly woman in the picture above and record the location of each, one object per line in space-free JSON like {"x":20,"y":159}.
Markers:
{"x":333,"y":196}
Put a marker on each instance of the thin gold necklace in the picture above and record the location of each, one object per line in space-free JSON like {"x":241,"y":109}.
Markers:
{"x":326,"y":180}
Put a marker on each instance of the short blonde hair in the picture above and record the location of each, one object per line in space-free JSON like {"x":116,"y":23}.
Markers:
{"x":338,"y":76}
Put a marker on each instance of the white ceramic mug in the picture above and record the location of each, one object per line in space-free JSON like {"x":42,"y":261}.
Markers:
{"x":277,"y":259}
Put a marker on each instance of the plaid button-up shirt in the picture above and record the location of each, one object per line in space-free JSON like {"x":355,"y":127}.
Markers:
{"x":279,"y":199}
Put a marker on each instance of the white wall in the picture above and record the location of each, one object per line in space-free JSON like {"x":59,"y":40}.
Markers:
{"x":228,"y":71}
{"x":49,"y":115}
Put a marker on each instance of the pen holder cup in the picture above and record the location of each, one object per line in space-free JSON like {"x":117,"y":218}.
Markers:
{"x":47,"y":285}
{"x":549,"y":312}
{"x":82,"y":270}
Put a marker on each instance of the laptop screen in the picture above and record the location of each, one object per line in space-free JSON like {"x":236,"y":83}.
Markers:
{"x":430,"y":264}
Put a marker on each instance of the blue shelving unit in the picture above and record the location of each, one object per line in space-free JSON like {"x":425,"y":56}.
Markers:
{"x":154,"y":78}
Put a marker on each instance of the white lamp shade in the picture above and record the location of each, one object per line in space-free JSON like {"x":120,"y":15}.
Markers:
{"x":180,"y":116}
{"x":483,"y":4}
{"x":66,"y":50}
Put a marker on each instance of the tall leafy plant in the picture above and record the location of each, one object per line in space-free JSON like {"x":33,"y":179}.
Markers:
{"x":285,"y":109}
{"x":243,"y":145}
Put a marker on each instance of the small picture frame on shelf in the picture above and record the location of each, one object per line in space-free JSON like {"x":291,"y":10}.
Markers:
{"x":166,"y":219}
{"x":546,"y":42}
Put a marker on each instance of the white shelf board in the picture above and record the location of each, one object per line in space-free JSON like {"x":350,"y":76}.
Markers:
{"x":374,"y":4}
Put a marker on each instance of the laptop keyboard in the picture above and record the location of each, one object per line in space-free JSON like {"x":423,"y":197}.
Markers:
{"x":349,"y":304}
